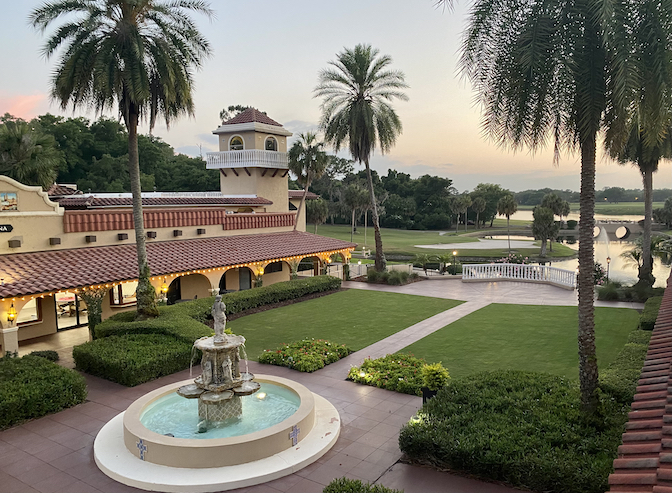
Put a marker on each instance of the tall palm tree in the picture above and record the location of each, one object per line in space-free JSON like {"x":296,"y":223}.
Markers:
{"x":28,"y":155}
{"x":134,"y":56}
{"x":308,"y":162}
{"x":648,"y":140}
{"x":507,"y":206}
{"x":478,"y":206}
{"x":549,"y":68}
{"x":356,"y":111}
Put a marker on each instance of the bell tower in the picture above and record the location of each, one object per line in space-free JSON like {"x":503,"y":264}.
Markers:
{"x":252,"y":158}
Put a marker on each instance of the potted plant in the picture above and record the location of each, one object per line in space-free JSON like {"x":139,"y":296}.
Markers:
{"x":434,"y":378}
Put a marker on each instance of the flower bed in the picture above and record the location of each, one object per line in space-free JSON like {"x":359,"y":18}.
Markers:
{"x":307,"y":355}
{"x":398,"y":372}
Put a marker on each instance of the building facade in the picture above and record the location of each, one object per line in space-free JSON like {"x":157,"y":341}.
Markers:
{"x":56,"y":244}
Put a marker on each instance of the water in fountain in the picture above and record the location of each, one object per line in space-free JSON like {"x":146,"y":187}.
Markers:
{"x":602,"y":247}
{"x":242,"y":348}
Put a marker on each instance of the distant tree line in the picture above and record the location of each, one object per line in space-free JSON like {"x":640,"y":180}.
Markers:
{"x":607,"y":194}
{"x":94,"y":156}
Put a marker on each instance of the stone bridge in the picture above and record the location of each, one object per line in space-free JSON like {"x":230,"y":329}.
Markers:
{"x":617,"y":230}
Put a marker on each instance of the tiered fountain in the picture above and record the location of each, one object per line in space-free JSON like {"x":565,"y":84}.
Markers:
{"x":236,"y":437}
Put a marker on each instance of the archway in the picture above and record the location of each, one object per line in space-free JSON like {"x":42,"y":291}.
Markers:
{"x":174,"y":292}
{"x":309,"y":266}
{"x":194,"y":286}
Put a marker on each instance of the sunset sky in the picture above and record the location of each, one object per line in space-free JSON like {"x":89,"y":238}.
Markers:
{"x":267,"y":54}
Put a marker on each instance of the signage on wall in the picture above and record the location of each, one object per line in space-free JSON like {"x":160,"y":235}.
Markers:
{"x":8,"y":201}
{"x":6,"y":228}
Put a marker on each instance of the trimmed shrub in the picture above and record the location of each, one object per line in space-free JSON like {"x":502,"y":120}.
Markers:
{"x":398,"y":372}
{"x":619,"y":380}
{"x":307,"y":355}
{"x":32,"y":386}
{"x":345,"y":485}
{"x":525,"y":429}
{"x":647,"y":320}
{"x":133,"y":359}
{"x":608,"y":292}
{"x":397,"y":278}
{"x":46,"y":354}
{"x":434,"y":376}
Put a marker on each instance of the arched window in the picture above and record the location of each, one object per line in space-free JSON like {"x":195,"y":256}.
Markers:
{"x":236,"y":143}
{"x":271,"y":144}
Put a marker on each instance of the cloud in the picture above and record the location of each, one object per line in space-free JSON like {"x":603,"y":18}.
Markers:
{"x":22,"y":105}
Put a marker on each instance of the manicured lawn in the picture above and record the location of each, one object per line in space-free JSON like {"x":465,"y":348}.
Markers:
{"x":520,"y":337}
{"x":620,"y":208}
{"x":356,"y":318}
{"x":402,"y":241}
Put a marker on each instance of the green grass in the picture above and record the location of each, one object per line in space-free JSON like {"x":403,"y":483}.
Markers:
{"x":402,"y":241}
{"x":355,"y":318}
{"x":620,"y":208}
{"x":522,"y":337}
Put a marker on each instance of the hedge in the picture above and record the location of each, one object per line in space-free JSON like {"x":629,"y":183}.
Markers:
{"x":308,"y":355}
{"x":647,"y":320}
{"x":398,"y":372}
{"x":133,"y":359}
{"x":345,"y":485}
{"x":186,"y":321}
{"x":525,"y":429}
{"x":31,"y":387}
{"x":619,"y":380}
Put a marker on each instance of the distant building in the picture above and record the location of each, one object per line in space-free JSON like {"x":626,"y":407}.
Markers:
{"x":55,"y":244}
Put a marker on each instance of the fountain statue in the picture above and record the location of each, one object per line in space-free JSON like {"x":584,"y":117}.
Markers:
{"x":221,"y":383}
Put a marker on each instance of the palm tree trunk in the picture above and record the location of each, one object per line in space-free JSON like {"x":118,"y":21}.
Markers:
{"x":381,"y":263}
{"x":588,"y":376}
{"x":352,"y":225}
{"x":543,"y":247}
{"x":477,"y":214}
{"x":465,"y":220}
{"x":366,"y":225}
{"x":303,"y":200}
{"x":645,"y":271}
{"x":508,"y":233}
{"x":145,"y":292}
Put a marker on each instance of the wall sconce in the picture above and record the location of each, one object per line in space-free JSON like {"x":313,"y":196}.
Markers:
{"x":261,"y":272}
{"x":11,"y":314}
{"x":164,"y":286}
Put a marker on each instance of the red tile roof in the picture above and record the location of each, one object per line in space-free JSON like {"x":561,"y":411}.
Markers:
{"x":41,"y":272}
{"x":57,"y":190}
{"x":82,"y":202}
{"x":251,"y":115}
{"x":297,"y":194}
{"x":644,"y":462}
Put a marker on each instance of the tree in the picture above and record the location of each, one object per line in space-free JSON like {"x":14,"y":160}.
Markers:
{"x":132,"y":55}
{"x":355,"y":198}
{"x":491,"y":193}
{"x":478,"y":205}
{"x":551,"y":67}
{"x":507,"y":206}
{"x":544,"y":226}
{"x":307,"y":161}
{"x":356,"y":111}
{"x":558,"y":207}
{"x":28,"y":155}
{"x":317,"y":212}
{"x":460,"y":205}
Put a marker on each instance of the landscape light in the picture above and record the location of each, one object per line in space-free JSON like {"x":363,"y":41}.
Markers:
{"x":362,"y":374}
{"x":11,"y":314}
{"x":261,"y":396}
{"x":164,"y":286}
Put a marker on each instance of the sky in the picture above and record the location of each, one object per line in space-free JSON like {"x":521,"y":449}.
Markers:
{"x":267,"y":54}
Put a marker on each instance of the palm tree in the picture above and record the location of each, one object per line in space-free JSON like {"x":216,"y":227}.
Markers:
{"x":134,"y":56}
{"x":354,"y":198}
{"x":507,"y":206}
{"x":551,"y":68}
{"x":308,"y":162}
{"x":356,"y":111}
{"x":478,"y":205}
{"x":28,"y":155}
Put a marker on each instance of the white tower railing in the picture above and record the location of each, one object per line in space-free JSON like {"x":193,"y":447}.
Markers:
{"x":249,"y":158}
{"x":519,"y":272}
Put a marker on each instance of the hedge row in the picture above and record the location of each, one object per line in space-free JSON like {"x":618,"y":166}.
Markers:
{"x":307,"y":355}
{"x":647,"y":319}
{"x":32,"y":386}
{"x":133,"y":359}
{"x":619,"y":380}
{"x":525,"y":429}
{"x":186,"y":321}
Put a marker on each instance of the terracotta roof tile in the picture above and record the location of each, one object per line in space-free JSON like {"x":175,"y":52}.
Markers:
{"x":40,"y":272}
{"x":89,"y":202}
{"x":297,"y":194}
{"x":251,"y":115}
{"x":645,"y":466}
{"x":57,"y":190}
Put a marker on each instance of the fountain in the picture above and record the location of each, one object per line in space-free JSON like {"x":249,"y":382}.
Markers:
{"x":229,"y":441}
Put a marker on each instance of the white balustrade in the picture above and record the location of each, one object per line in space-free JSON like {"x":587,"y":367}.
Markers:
{"x":247,"y":158}
{"x":519,"y":272}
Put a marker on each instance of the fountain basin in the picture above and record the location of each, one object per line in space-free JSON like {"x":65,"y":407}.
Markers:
{"x":153,"y":447}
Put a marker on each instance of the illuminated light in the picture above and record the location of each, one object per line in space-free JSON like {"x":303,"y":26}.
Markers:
{"x":261,"y":396}
{"x":11,"y":314}
{"x":362,"y":374}
{"x":415,"y":419}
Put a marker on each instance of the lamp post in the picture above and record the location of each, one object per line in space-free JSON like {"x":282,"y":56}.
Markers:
{"x":164,"y":290}
{"x":454,"y":262}
{"x":608,"y":262}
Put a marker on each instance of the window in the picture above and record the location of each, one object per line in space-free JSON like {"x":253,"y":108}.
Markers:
{"x":30,"y":313}
{"x":271,"y":144}
{"x":274,"y":267}
{"x":124,"y":294}
{"x":236,"y":143}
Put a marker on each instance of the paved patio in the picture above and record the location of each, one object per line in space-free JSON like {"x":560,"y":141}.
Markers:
{"x":55,"y":453}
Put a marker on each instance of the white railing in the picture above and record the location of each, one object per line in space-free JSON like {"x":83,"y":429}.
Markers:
{"x":518,"y":272}
{"x":253,"y":158}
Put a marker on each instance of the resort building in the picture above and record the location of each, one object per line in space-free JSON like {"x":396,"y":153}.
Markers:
{"x":55,"y":244}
